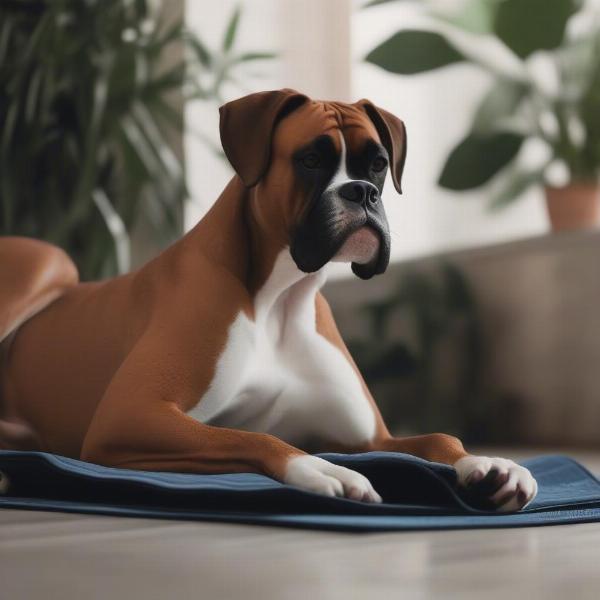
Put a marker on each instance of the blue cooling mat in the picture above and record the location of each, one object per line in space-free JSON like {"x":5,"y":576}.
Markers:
{"x":417,"y":494}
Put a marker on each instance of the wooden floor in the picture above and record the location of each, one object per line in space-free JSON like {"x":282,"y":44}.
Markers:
{"x":60,"y":556}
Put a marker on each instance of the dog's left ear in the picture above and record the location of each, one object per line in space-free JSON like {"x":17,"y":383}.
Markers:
{"x":247,"y":125}
{"x":392,"y":133}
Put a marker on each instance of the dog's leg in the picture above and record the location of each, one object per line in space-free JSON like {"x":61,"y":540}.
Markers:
{"x":141,"y":424}
{"x":166,"y":439}
{"x":493,"y":482}
{"x":32,"y":275}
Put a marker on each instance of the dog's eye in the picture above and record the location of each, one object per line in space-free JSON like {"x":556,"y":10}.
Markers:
{"x":311,"y":161}
{"x":379,"y":164}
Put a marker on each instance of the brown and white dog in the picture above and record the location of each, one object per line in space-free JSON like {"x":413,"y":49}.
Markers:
{"x":221,"y":354}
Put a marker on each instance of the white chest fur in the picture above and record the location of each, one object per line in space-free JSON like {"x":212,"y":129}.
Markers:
{"x":278,"y":375}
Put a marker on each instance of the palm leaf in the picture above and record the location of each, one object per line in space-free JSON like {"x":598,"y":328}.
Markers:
{"x":231,"y":31}
{"x":116,"y":228}
{"x":92,"y":111}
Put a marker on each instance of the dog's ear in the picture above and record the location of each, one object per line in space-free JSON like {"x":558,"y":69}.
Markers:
{"x":247,"y":125}
{"x":392,"y":133}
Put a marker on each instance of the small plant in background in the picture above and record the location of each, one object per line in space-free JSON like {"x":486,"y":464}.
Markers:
{"x":91,"y":99}
{"x":546,"y":86}
{"x":423,"y":357}
{"x":211,"y":69}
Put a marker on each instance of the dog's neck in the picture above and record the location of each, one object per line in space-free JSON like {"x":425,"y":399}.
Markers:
{"x":287,"y":285}
{"x":232,"y":236}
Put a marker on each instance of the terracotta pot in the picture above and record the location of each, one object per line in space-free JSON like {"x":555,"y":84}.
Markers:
{"x":575,"y":206}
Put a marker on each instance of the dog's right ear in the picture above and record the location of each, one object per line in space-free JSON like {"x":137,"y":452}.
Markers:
{"x":247,"y":125}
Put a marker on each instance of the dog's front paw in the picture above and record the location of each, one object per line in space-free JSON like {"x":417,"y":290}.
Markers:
{"x":495,"y":483}
{"x":322,"y":477}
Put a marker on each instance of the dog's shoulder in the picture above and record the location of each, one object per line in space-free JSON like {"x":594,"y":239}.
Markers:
{"x":195,"y":290}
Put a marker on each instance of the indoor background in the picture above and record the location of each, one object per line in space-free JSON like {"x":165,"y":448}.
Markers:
{"x":485,"y":324}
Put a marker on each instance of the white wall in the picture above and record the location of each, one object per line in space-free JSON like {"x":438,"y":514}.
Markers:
{"x":317,"y":41}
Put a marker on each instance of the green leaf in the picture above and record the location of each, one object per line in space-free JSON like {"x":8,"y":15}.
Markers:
{"x":5,"y":32}
{"x":33,"y":92}
{"x":200,"y":50}
{"x":499,"y":104}
{"x":9,"y":126}
{"x":141,"y":8}
{"x":516,"y":184}
{"x":477,"y":159}
{"x":475,"y":16}
{"x":139,"y":144}
{"x":529,"y":25}
{"x":412,"y":51}
{"x":249,"y":56}
{"x":231,"y":30}
{"x":377,"y":2}
{"x":116,"y":228}
{"x":43,"y":27}
{"x":578,"y":64}
{"x":173,"y":33}
{"x":170,"y":79}
{"x":590,"y":116}
{"x":165,"y":113}
{"x":93,"y":116}
{"x":157,"y":144}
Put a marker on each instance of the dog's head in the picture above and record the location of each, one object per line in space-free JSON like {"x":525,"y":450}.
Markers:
{"x":320,"y":169}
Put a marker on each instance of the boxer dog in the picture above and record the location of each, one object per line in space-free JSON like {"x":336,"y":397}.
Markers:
{"x":221,"y":354}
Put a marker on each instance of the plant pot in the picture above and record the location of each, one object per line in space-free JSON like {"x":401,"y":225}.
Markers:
{"x":575,"y":206}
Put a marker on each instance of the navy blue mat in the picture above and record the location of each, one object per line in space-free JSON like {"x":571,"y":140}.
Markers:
{"x":417,"y":494}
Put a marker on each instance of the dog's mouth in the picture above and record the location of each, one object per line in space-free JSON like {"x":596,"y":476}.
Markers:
{"x":360,"y":247}
{"x":360,"y":238}
{"x":370,"y":245}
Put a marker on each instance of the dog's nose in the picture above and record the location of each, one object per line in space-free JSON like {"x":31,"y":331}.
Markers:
{"x":359,"y":191}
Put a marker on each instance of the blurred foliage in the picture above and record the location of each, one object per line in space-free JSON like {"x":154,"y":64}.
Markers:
{"x":210,"y":69}
{"x":546,"y":85}
{"x":423,"y":358}
{"x":90,"y":96}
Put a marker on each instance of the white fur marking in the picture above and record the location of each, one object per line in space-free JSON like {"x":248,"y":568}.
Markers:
{"x":278,"y":375}
{"x":362,"y":246}
{"x":322,"y":477}
{"x":341,"y":176}
{"x":519,"y":478}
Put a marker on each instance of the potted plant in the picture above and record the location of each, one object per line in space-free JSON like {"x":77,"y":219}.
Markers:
{"x":545,"y":64}
{"x":91,"y":100}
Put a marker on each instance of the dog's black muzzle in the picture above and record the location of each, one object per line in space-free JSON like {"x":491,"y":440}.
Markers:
{"x":336,"y":214}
